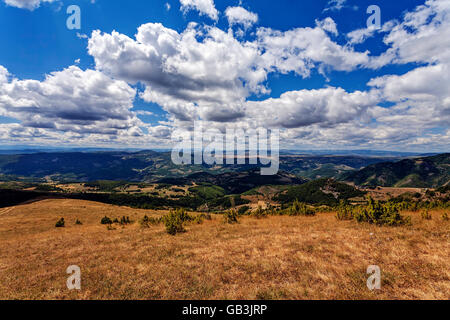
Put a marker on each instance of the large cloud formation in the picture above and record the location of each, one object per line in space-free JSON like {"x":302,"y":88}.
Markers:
{"x":325,"y":107}
{"x":180,"y":71}
{"x":422,"y":96}
{"x":72,"y":100}
{"x":207,"y":73}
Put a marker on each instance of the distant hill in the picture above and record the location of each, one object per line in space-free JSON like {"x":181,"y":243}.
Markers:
{"x":92,"y":166}
{"x":321,"y":192}
{"x":327,"y":166}
{"x":151,"y":166}
{"x":237,"y":182}
{"x":424,"y":172}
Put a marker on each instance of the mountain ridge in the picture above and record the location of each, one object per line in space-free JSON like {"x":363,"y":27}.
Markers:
{"x":150,"y":166}
{"x":423,"y":172}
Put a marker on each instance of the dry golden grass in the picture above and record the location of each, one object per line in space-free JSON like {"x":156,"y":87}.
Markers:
{"x":274,"y":258}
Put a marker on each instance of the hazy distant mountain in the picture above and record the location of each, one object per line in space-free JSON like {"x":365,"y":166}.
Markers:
{"x":24,"y":149}
{"x":362,"y":153}
{"x":152,"y":166}
{"x":424,"y":172}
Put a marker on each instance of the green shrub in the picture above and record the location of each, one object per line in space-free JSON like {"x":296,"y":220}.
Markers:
{"x":61,"y":223}
{"x":198,"y":219}
{"x":344,"y":212}
{"x":445,"y":216}
{"x":125,"y":220}
{"x":426,"y":215}
{"x":381,"y":214}
{"x":231,"y":216}
{"x":78,"y":223}
{"x":299,"y":209}
{"x":145,"y":222}
{"x":106,"y":220}
{"x":174,"y":221}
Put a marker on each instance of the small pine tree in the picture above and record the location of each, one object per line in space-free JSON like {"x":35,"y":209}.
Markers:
{"x":300,"y":209}
{"x":145,"y":222}
{"x":106,"y":220}
{"x":344,"y":212}
{"x":61,"y":223}
{"x":426,"y":215}
{"x":381,"y":214}
{"x":174,"y":221}
{"x":231,"y":216}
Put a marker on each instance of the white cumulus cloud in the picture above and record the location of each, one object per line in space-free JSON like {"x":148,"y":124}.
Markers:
{"x":304,"y":49}
{"x":325,"y":107}
{"x":239,"y":15}
{"x":205,"y":7}
{"x":71,"y":100}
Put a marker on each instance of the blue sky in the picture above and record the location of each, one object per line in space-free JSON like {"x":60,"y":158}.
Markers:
{"x":303,"y":74}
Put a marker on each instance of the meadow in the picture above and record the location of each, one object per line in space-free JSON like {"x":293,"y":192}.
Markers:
{"x":277,"y":257}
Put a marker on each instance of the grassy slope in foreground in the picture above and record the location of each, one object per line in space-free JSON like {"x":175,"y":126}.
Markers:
{"x":274,"y":258}
{"x":427,"y":172}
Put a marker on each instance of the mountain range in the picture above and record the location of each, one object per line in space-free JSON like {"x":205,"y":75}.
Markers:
{"x":152,"y":166}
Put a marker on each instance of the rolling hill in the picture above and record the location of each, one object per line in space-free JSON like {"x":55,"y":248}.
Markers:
{"x":320,"y":192}
{"x":237,"y":182}
{"x":424,"y":172}
{"x":151,"y":166}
